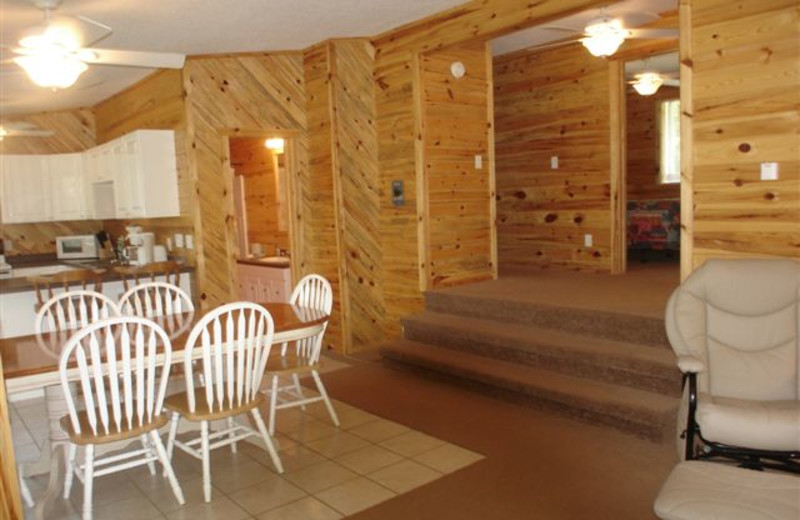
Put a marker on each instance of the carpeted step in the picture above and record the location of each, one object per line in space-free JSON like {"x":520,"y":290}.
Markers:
{"x":644,"y":414}
{"x":600,"y":359}
{"x":642,"y":330}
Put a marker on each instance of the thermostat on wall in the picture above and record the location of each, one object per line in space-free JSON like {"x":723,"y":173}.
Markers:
{"x":398,"y":198}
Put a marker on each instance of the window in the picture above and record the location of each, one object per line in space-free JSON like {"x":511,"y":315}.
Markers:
{"x":669,"y":130}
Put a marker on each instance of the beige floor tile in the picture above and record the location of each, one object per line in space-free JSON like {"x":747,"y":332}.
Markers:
{"x":309,"y":430}
{"x":137,"y":508}
{"x":404,"y":476}
{"x":293,"y":458}
{"x":220,"y":508}
{"x":448,"y":458}
{"x":412,"y":443}
{"x":305,"y":509}
{"x":368,"y":459}
{"x":378,"y":431}
{"x":109,"y":488}
{"x":337,"y":444}
{"x":318,"y":477}
{"x":240,"y":476}
{"x":354,"y":496}
{"x":159,"y":492}
{"x":266,"y":495}
{"x":348,"y":417}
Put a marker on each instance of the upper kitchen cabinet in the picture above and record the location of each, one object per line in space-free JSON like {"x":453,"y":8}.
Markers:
{"x":24,"y":189}
{"x":67,"y":188}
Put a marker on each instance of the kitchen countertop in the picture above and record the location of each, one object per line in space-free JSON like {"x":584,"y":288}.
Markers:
{"x":13,"y":285}
{"x":280,"y":262}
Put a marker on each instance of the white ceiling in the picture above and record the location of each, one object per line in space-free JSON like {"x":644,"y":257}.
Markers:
{"x":193,"y":27}
{"x":634,"y":13}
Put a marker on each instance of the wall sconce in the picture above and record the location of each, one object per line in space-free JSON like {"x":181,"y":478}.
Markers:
{"x":275,"y":144}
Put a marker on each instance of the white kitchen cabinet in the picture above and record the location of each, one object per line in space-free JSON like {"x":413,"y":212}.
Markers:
{"x":67,"y":188}
{"x":24,"y":189}
{"x":263,"y":283}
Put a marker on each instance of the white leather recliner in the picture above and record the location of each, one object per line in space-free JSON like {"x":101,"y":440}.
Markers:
{"x":735,"y":327}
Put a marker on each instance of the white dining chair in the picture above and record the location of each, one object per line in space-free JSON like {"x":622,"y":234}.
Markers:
{"x":314,"y":292}
{"x":234,"y":341}
{"x":154,"y":299}
{"x":122,"y":391}
{"x":73,"y":310}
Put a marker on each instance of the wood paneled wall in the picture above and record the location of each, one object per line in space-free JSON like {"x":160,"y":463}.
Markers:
{"x":745,"y":65}
{"x":155,"y":103}
{"x":642,"y":150}
{"x":74,"y":131}
{"x":457,"y":211}
{"x":552,"y":103}
{"x":256,"y":164}
{"x":230,"y":96}
{"x":10,"y":503}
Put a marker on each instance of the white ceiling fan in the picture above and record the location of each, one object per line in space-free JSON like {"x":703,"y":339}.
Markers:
{"x":56,"y":52}
{"x":602,"y":36}
{"x":22,"y":129}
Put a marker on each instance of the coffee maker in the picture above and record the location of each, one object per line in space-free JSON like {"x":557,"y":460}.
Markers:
{"x":140,"y":250}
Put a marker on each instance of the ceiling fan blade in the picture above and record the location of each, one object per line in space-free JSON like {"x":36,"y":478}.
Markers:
{"x":29,"y":133}
{"x":656,"y":34}
{"x":85,"y":30}
{"x":637,"y":18}
{"x":672,"y":82}
{"x":154,"y":60}
{"x":19,"y":126}
{"x":552,"y":45}
{"x":561,"y":29}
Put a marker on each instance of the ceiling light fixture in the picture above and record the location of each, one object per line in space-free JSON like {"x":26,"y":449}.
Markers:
{"x":275,"y":144}
{"x":52,"y":69}
{"x":604,"y":36}
{"x":648,"y":83}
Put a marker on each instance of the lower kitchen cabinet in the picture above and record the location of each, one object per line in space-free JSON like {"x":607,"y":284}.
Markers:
{"x":264,"y":283}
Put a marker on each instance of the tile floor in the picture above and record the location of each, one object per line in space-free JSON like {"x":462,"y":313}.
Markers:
{"x":330,"y":472}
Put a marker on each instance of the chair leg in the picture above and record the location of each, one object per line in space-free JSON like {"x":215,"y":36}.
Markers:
{"x":298,"y":389}
{"x":206,"y":462}
{"x":173,"y":431}
{"x":283,"y":348}
{"x":146,"y":447}
{"x":25,"y":492}
{"x":325,"y":397}
{"x":165,"y":462}
{"x":88,"y":481}
{"x":273,"y":401}
{"x":73,"y":449}
{"x":232,"y":435}
{"x":267,"y":440}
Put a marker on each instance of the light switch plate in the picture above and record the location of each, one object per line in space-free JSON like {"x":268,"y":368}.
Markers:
{"x":479,"y":162}
{"x":189,"y":241}
{"x":178,"y":239}
{"x":769,"y":171}
{"x":554,"y":162}
{"x":587,"y":240}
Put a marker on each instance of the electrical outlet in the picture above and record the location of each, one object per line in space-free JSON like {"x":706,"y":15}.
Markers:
{"x":178,"y":239}
{"x":8,"y":245}
{"x":189,"y":240}
{"x":554,"y":162}
{"x":769,"y":171}
{"x":479,"y":162}
{"x":587,"y":240}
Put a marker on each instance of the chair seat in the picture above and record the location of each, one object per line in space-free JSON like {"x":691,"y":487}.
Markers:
{"x":765,"y":425}
{"x":86,"y":436}
{"x":180,"y":403}
{"x":291,"y":363}
{"x":712,"y":491}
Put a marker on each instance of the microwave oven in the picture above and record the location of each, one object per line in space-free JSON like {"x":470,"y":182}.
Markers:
{"x":77,"y":246}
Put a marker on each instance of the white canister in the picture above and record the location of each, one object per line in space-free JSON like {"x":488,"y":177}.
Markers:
{"x":159,"y":254}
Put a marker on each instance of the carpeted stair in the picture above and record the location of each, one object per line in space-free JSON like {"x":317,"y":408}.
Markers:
{"x":610,"y":369}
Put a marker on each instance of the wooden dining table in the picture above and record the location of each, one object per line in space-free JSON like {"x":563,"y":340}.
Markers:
{"x":31,"y":363}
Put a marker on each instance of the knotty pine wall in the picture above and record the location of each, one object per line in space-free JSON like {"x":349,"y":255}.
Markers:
{"x":642,"y":150}
{"x":253,"y":161}
{"x":744,"y":60}
{"x":457,"y":208}
{"x":155,"y":103}
{"x":74,"y":132}
{"x":552,"y":103}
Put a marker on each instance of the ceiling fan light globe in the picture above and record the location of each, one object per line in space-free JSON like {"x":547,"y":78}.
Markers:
{"x":648,"y":83}
{"x":52,"y":70}
{"x":601,"y":46}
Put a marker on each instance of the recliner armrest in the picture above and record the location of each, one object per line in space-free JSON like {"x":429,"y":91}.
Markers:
{"x":691,"y":364}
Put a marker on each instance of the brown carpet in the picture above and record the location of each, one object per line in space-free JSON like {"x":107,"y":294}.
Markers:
{"x":537,"y":465}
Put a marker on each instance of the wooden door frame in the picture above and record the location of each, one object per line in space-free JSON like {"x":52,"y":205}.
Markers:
{"x":290,"y":138}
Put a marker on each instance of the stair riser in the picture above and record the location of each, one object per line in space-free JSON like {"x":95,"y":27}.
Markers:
{"x":640,"y":375}
{"x":621,"y":327}
{"x":632,"y":422}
